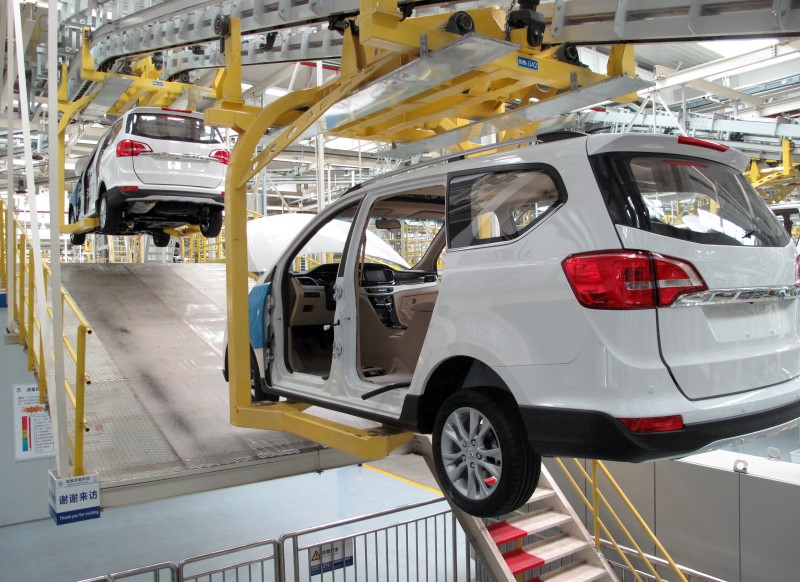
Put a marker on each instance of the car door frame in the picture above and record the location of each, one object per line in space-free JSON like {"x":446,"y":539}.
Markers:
{"x":282,"y":378}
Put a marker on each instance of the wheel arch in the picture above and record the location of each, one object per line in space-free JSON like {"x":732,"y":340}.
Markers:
{"x":451,"y":375}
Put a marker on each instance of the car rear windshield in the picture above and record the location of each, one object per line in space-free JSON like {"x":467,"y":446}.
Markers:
{"x":174,"y":128}
{"x":686,"y":198}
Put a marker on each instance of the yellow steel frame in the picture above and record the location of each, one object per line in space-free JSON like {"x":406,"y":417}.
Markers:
{"x":146,"y":89}
{"x":384,"y":42}
{"x":29,"y":325}
{"x":779,"y":182}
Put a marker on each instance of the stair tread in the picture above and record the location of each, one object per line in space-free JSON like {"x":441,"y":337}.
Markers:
{"x":543,"y":552}
{"x":576,"y":572}
{"x":541,"y":492}
{"x":519,"y":561}
{"x":519,"y":526}
{"x":550,"y":549}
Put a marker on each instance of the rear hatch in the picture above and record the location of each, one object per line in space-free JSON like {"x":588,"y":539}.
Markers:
{"x":183,"y":151}
{"x":691,"y":203}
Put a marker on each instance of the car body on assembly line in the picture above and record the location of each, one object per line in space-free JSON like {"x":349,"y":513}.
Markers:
{"x":623,"y":297}
{"x":154,"y":168}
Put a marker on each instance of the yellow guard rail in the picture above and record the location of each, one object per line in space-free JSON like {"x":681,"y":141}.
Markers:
{"x":599,"y":502}
{"x":30,"y":332}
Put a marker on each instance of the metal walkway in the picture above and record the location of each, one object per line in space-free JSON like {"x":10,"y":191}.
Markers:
{"x":157,"y":403}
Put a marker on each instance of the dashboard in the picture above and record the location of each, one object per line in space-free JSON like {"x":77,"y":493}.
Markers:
{"x":387,"y":289}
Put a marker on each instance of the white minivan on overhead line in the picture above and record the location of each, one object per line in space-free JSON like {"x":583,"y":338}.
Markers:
{"x":154,"y":168}
{"x":623,"y":297}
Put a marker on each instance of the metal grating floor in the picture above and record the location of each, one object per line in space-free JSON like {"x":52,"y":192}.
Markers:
{"x":157,"y":403}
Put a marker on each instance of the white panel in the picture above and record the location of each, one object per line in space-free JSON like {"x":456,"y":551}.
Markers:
{"x":637,"y":481}
{"x":770,"y":520}
{"x":697,"y":518}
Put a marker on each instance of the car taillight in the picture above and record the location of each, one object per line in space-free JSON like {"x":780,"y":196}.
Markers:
{"x":629,"y":279}
{"x":129,"y":188}
{"x":653,"y":424}
{"x":223,"y":156}
{"x":128,"y":148}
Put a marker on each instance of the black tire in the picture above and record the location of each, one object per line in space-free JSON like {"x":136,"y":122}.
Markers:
{"x":76,"y":239}
{"x":465,"y":469}
{"x":210,"y":222}
{"x":109,"y":218}
{"x":160,"y":238}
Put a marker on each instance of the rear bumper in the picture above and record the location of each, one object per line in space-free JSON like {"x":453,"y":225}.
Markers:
{"x":118,"y":198}
{"x":596,"y":435}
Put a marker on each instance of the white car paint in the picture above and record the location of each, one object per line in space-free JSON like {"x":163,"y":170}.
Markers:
{"x":719,"y":362}
{"x":175,"y":176}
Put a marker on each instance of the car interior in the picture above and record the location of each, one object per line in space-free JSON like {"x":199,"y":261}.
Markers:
{"x":395,"y":302}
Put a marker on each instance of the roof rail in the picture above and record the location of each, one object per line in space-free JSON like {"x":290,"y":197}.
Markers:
{"x":456,"y":157}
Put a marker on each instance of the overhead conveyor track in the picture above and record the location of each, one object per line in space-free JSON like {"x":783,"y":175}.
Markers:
{"x":283,"y":31}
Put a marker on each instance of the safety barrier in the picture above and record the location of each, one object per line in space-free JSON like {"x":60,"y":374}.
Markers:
{"x":626,"y":574}
{"x":599,"y":501}
{"x":429,"y":547}
{"x":161,"y":572}
{"x":256,"y":561}
{"x":30,"y":332}
{"x":418,"y":541}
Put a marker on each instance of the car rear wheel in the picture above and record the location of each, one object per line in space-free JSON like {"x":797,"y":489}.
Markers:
{"x":160,"y":238}
{"x":210,"y":222}
{"x":481,"y":452}
{"x":109,"y":220}
{"x":75,"y":239}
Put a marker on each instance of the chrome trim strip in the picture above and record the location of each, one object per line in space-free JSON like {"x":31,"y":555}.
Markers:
{"x":176,"y":156}
{"x":745,"y":295}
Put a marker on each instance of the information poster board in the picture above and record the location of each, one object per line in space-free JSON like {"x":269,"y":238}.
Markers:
{"x":33,"y":432}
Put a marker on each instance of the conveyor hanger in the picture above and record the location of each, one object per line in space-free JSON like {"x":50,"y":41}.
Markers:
{"x":278,"y":29}
{"x":428,"y":80}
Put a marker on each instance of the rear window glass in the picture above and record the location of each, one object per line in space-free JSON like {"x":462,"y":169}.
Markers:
{"x":696,"y":200}
{"x":174,"y":128}
{"x":492,"y":207}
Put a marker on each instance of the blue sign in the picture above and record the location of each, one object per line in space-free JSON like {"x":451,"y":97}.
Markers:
{"x":158,"y":83}
{"x":527,"y":63}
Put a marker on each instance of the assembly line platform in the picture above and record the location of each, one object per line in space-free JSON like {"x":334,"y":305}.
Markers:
{"x":157,"y":405}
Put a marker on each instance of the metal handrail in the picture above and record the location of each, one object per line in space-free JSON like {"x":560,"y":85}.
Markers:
{"x":690,"y":573}
{"x":30,"y":328}
{"x":594,"y":507}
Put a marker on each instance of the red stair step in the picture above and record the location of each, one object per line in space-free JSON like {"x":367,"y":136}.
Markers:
{"x":521,"y":561}
{"x":502,"y":532}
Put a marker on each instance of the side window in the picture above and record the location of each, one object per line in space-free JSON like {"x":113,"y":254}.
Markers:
{"x":325,"y":246}
{"x":108,"y":139}
{"x":497,"y":206}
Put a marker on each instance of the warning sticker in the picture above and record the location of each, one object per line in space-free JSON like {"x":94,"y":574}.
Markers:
{"x":329,"y":557}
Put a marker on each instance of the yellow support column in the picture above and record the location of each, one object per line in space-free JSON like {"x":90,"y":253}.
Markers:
{"x":786,"y":157}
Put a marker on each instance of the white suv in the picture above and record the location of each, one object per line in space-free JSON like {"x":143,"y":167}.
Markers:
{"x":154,"y":168}
{"x":625,"y":297}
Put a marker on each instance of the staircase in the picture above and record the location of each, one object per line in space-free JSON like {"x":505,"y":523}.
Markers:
{"x":543,"y":541}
